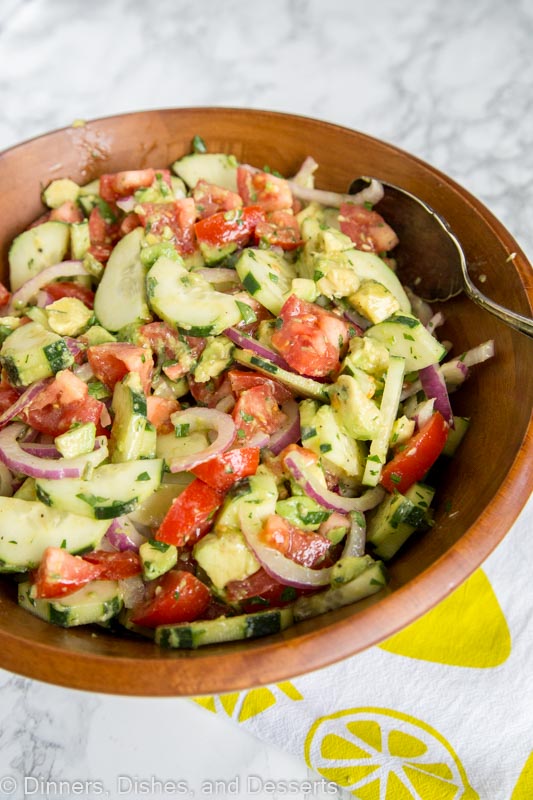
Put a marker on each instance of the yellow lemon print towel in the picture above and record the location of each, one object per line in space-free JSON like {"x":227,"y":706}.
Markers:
{"x":443,"y":710}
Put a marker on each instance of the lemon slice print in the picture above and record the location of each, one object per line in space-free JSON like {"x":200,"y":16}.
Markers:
{"x":245,"y":705}
{"x":381,"y":754}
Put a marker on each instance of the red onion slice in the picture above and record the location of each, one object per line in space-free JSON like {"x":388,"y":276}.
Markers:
{"x":133,"y":591}
{"x":24,"y":400}
{"x":259,"y":439}
{"x":434,"y":386}
{"x":281,"y":568}
{"x":83,"y":371}
{"x":423,"y":412}
{"x":14,"y":457}
{"x":478,"y":354}
{"x":126,"y":204}
{"x":455,"y":371}
{"x":65,"y":269}
{"x":434,"y":322}
{"x":312,"y":486}
{"x":123,"y":535}
{"x":287,"y":571}
{"x":356,"y":539}
{"x":372,"y":194}
{"x":290,"y":432}
{"x":74,"y":345}
{"x":247,"y":343}
{"x":304,"y":176}
{"x":43,"y":299}
{"x":40,"y":450}
{"x":210,"y":418}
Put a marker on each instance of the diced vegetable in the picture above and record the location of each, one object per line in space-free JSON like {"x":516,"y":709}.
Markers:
{"x":217,"y":403}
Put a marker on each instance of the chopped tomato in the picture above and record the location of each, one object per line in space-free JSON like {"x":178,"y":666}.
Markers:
{"x":70,"y":289}
{"x":159,"y":410}
{"x":309,"y":459}
{"x":280,"y":229}
{"x":54,"y":420}
{"x":257,"y":410}
{"x":64,"y":389}
{"x":227,"y":227}
{"x":176,"y":354}
{"x":366,"y":228}
{"x":223,"y":471}
{"x":303,"y":547}
{"x":212,"y":392}
{"x":122,"y":184}
{"x":57,"y":419}
{"x":111,"y":361}
{"x":129,"y":223}
{"x":191,"y":515}
{"x":421,"y":451}
{"x":310,"y":339}
{"x":64,"y":401}
{"x":8,"y":396}
{"x":260,"y":312}
{"x":241,"y":381}
{"x":176,"y":218}
{"x":258,"y":591}
{"x":61,"y":573}
{"x":115,"y":566}
{"x":5,"y":295}
{"x":102,"y":234}
{"x":66,"y":212}
{"x":209,"y":199}
{"x":263,"y":189}
{"x":178,"y":596}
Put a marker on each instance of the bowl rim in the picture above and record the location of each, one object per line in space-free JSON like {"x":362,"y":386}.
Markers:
{"x":277,"y":660}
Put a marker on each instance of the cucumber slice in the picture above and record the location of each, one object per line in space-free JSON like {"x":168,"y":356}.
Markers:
{"x":405,"y":336}
{"x":34,"y":250}
{"x":113,"y":490}
{"x":80,"y":240}
{"x":151,"y":511}
{"x":217,"y":168}
{"x":60,"y":191}
{"x":455,"y":435}
{"x":189,"y":302}
{"x":121,"y":295}
{"x":397,"y":517}
{"x":266,"y":276}
{"x":301,"y":386}
{"x":99,"y":601}
{"x":31,"y":352}
{"x":370,"y":267}
{"x":387,"y":415}
{"x":27,"y":528}
{"x":130,"y":420}
{"x":372,"y":580}
{"x":191,"y":635}
{"x":157,"y":558}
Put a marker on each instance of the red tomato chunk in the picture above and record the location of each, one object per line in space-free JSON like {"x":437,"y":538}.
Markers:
{"x":178,"y":596}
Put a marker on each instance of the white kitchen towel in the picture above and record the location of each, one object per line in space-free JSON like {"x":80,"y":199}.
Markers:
{"x":443,"y":710}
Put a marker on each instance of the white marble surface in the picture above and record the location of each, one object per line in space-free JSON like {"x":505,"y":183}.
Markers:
{"x":451,"y":82}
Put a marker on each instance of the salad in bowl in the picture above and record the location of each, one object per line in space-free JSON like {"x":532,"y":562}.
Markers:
{"x":221,"y":412}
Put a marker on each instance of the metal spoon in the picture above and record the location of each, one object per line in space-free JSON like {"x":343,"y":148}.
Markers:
{"x":430,"y":258}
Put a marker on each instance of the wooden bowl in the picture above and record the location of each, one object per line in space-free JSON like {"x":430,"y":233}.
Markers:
{"x":486,"y":485}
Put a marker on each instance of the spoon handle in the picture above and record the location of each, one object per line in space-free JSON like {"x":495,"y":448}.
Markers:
{"x":512,"y":318}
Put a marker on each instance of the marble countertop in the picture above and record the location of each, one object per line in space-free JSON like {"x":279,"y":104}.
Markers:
{"x":450,"y":82}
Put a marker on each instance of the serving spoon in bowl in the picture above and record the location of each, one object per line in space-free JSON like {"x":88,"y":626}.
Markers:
{"x":430,"y":258}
